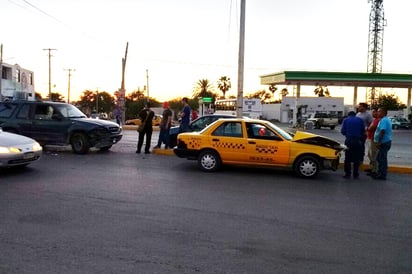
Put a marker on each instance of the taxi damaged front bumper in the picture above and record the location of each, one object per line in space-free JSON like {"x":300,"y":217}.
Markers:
{"x":332,"y":164}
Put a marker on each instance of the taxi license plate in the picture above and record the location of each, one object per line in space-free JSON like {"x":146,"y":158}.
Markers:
{"x":28,"y":155}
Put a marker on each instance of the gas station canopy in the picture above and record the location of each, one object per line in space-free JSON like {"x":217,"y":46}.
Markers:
{"x":316,"y":78}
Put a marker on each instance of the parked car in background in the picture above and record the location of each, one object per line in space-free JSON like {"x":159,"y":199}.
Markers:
{"x":53,"y":123}
{"x":197,"y":125}
{"x":259,"y":143}
{"x":400,"y":122}
{"x":18,"y":150}
{"x":320,"y":119}
{"x":157,"y":119}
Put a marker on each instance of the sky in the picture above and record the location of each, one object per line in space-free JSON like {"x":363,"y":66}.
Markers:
{"x":174,"y":44}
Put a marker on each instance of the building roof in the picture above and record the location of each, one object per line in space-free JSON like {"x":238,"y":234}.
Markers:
{"x":316,"y":78}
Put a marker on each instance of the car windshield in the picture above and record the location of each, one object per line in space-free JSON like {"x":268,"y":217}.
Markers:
{"x":70,"y":111}
{"x":280,"y":131}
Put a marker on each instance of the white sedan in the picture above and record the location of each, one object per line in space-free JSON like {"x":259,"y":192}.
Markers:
{"x":18,"y":150}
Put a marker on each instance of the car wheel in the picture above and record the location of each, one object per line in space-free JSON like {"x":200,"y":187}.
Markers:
{"x":395,"y":127}
{"x":209,"y":160}
{"x":332,"y":127}
{"x":105,"y":148}
{"x":307,"y":167}
{"x":80,"y":143}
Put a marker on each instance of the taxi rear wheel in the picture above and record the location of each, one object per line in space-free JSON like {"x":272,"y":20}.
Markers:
{"x":307,"y":167}
{"x":209,"y":160}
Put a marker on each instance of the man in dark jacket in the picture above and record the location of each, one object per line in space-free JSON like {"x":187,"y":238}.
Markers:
{"x":146,"y":116}
{"x":353,"y":129}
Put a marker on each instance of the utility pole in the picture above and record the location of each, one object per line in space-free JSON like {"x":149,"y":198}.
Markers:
{"x":239,"y":109}
{"x":49,"y":55}
{"x":97,"y":100}
{"x":68,"y":86}
{"x":122,"y":89}
{"x":147,"y":84}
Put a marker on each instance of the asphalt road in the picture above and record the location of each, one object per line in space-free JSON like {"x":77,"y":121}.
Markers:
{"x":121,"y":212}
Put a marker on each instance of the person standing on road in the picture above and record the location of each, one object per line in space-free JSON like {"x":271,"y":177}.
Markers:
{"x":366,"y":117}
{"x":353,"y":129}
{"x":118,"y":115}
{"x":185,"y":116}
{"x":146,"y":116}
{"x":372,"y":148}
{"x":165,"y":125}
{"x":383,"y":140}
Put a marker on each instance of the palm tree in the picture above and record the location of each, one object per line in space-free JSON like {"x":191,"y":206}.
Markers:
{"x":273,"y":88}
{"x":321,"y":91}
{"x":284,"y":91}
{"x":203,"y":88}
{"x":224,"y":85}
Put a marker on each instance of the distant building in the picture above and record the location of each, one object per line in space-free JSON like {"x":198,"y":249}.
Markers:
{"x":304,"y":106}
{"x":16,"y":83}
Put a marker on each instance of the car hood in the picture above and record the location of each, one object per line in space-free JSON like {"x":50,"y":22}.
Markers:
{"x":317,"y":140}
{"x":98,"y":122}
{"x":11,"y":139}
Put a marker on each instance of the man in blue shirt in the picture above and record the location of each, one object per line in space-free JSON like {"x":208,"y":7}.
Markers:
{"x":185,"y":116}
{"x":353,"y":129}
{"x":383,"y":140}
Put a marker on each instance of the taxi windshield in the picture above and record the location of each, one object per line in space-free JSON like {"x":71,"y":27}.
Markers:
{"x":281,"y":132}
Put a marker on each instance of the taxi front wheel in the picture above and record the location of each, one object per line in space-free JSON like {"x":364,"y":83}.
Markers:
{"x":307,"y":166}
{"x":209,"y":160}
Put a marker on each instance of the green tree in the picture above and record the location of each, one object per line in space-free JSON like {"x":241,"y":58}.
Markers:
{"x":284,"y":92}
{"x":203,"y":88}
{"x":38,"y":96}
{"x":57,"y":97}
{"x":224,"y":85}
{"x":263,"y":95}
{"x":136,"y":95}
{"x":96,"y":101}
{"x":322,"y":91}
{"x":389,"y":102}
{"x":273,"y":88}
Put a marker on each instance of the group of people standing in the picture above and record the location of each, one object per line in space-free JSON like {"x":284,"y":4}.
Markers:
{"x":373,"y":129}
{"x":146,"y":115}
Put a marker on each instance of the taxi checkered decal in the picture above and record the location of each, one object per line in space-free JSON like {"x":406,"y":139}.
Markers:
{"x":266,"y":149}
{"x":194,"y":142}
{"x":229,"y":145}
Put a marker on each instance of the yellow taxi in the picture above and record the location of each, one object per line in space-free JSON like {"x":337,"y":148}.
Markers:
{"x":258,"y":143}
{"x":157,"y":119}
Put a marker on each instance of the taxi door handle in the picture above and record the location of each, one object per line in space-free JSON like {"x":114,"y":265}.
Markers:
{"x":215,"y":140}
{"x":252,"y":142}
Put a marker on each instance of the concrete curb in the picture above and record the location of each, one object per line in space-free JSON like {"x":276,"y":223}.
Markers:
{"x":392,"y":169}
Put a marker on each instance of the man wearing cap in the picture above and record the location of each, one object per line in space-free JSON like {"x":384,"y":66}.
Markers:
{"x":165,"y":125}
{"x":353,"y":129}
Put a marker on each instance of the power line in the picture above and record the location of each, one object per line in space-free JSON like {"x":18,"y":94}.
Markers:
{"x":42,"y":11}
